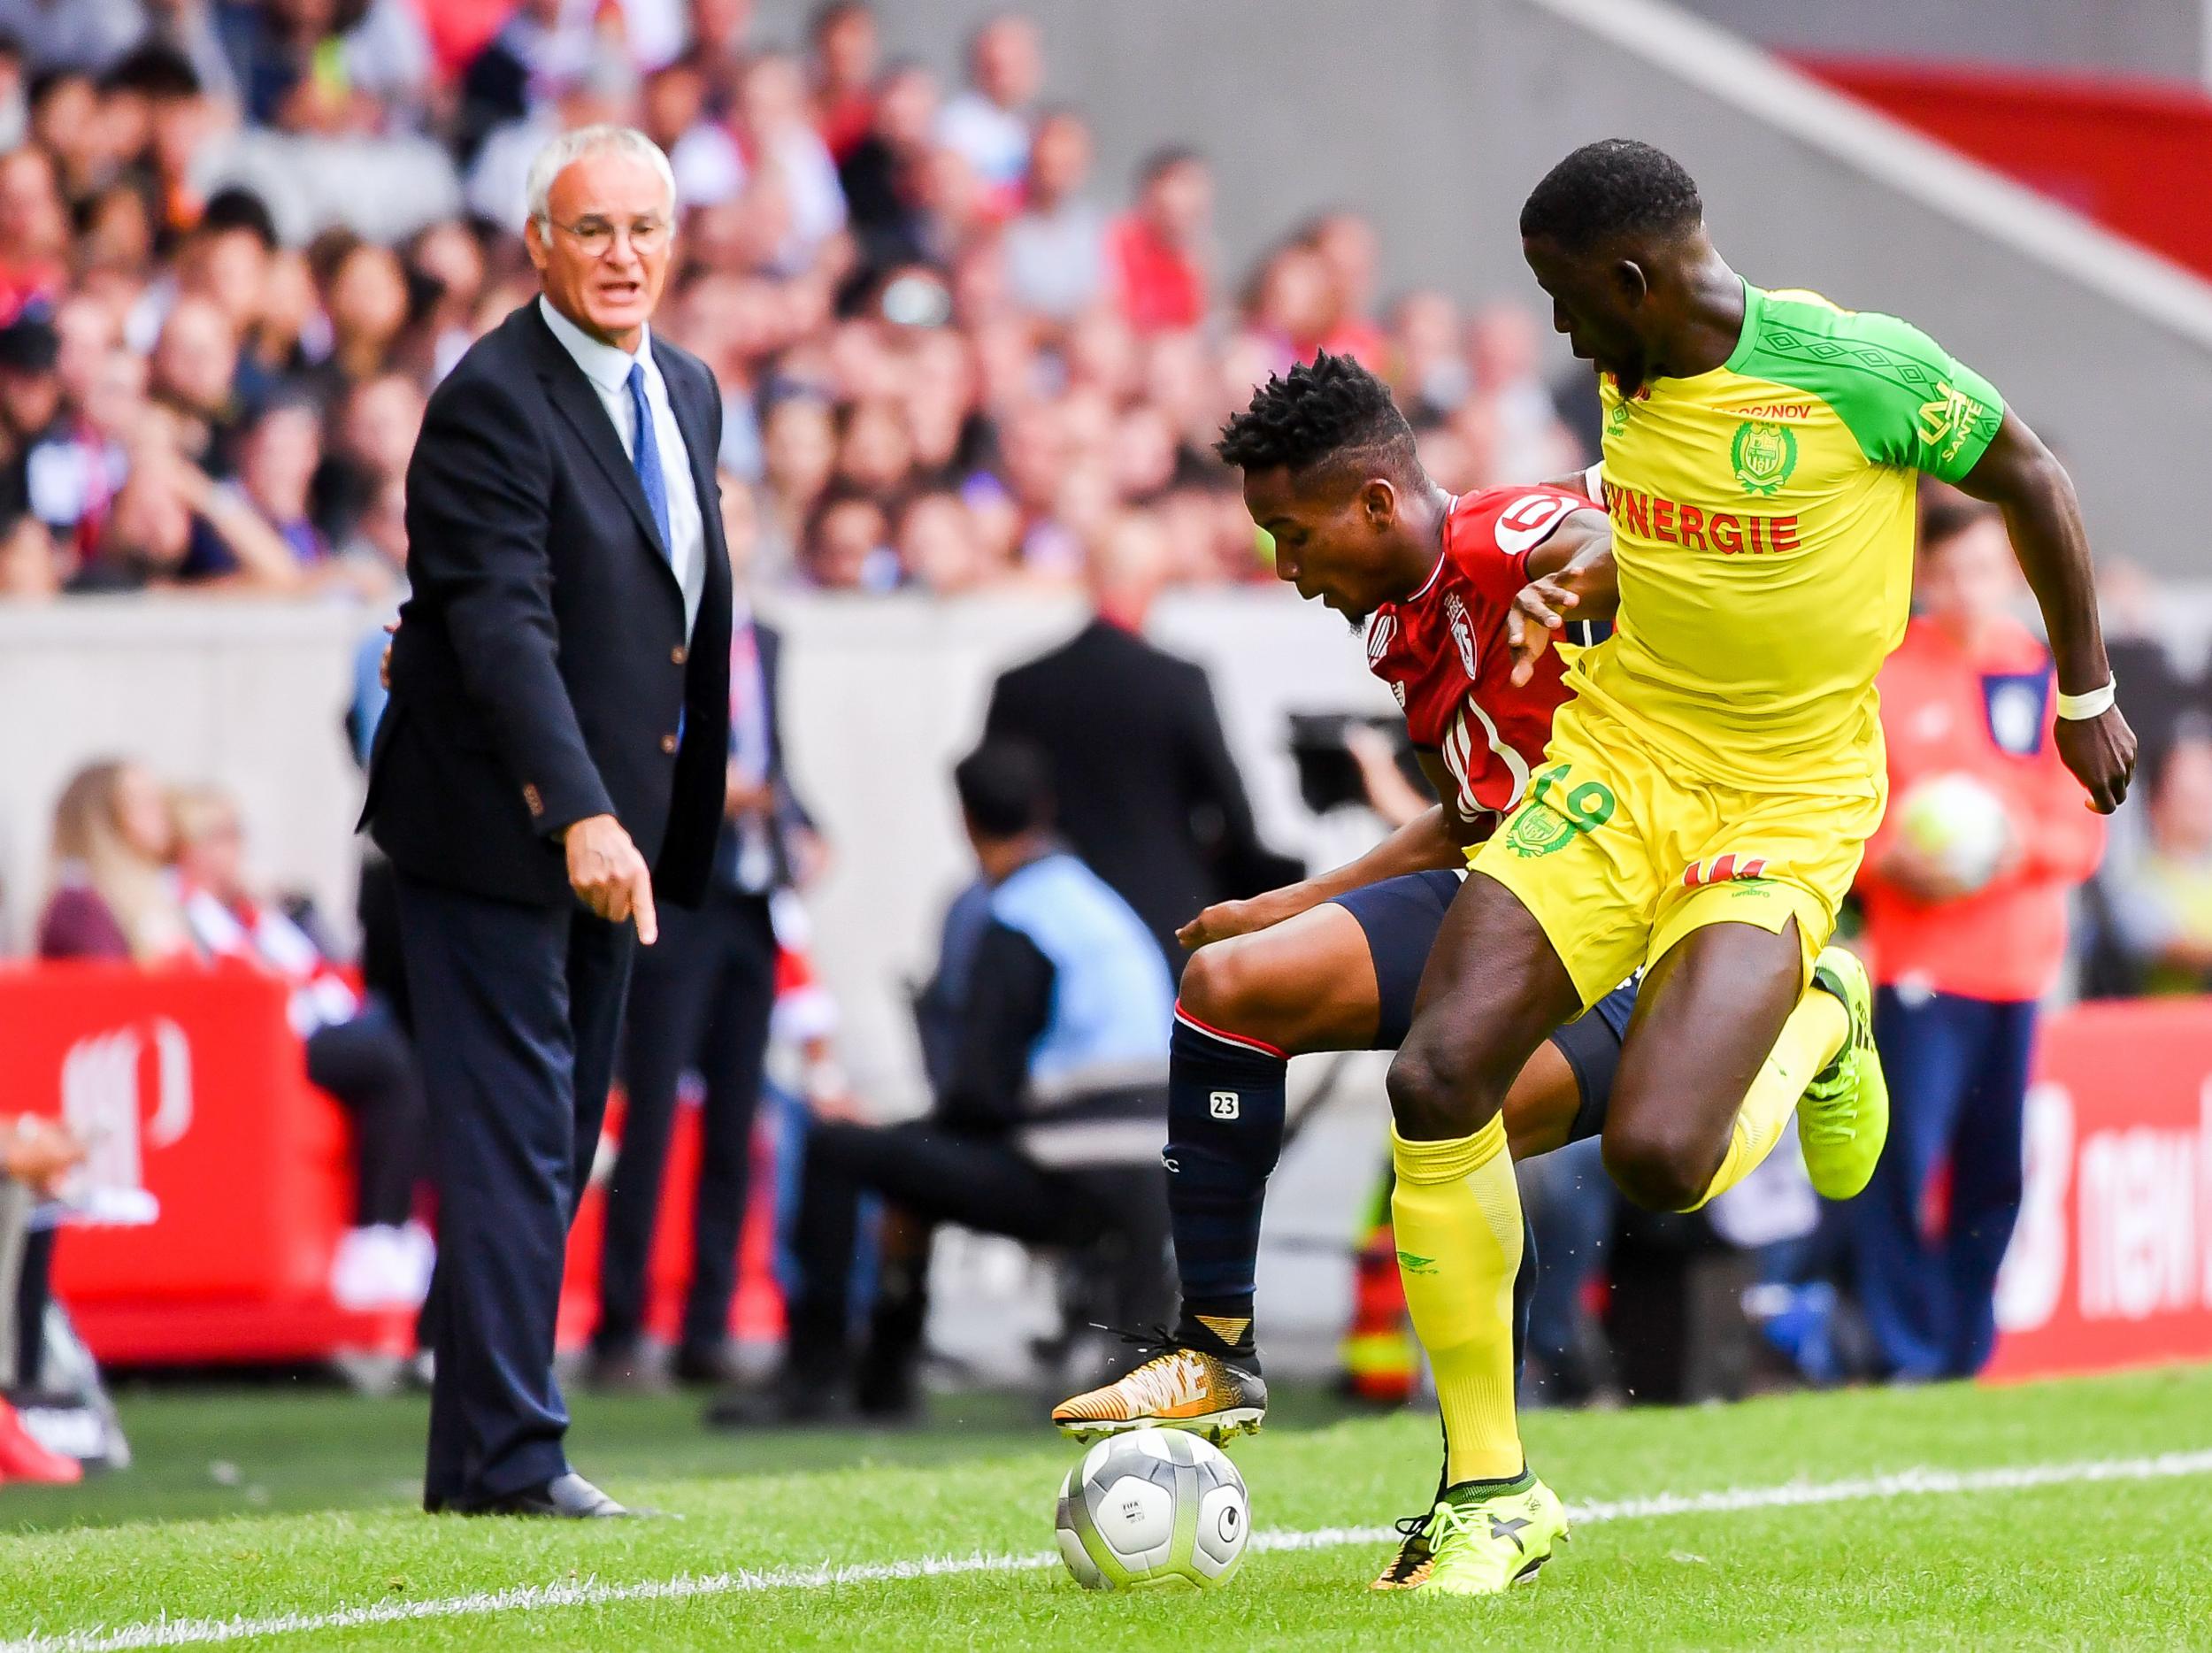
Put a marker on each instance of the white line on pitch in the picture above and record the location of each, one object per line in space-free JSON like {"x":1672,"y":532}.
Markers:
{"x":177,"y":1632}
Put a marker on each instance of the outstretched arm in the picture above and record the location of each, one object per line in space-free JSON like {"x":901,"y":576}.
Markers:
{"x":2021,"y":477}
{"x":1574,"y":570}
{"x":1438,"y":837}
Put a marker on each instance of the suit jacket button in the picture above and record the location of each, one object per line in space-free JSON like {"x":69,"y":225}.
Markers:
{"x":677,"y":655}
{"x":668,"y":743}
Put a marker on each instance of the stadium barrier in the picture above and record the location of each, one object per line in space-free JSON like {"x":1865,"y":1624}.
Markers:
{"x":2111,"y":1264}
{"x":219,"y":1182}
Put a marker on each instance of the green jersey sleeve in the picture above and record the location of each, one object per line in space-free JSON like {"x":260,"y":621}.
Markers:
{"x":1905,"y":398}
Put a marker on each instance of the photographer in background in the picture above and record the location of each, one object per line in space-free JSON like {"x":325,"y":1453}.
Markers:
{"x":1965,"y":888}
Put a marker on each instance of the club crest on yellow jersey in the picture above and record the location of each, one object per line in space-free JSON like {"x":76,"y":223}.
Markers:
{"x":1764,"y":453}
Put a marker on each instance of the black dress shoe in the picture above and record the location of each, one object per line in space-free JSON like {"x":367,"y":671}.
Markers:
{"x":568,"y":1497}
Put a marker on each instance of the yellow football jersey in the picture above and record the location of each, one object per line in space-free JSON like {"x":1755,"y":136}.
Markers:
{"x":1763,"y":522}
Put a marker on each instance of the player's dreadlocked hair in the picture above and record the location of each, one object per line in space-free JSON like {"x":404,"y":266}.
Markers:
{"x":1617,"y":187}
{"x":1332,"y":411}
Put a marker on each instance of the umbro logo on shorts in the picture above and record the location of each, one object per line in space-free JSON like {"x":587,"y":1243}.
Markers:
{"x":1721,"y":869}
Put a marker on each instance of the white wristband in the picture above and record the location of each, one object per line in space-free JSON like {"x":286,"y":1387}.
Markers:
{"x":1594,"y":482}
{"x":2095,"y":703}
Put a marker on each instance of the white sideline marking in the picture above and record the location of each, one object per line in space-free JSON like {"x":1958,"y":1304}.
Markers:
{"x":176,"y":1632}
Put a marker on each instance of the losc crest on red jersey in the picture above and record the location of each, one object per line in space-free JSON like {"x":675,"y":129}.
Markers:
{"x":1443,"y":650}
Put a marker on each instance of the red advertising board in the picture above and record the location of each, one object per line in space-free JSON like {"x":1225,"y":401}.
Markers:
{"x":217,"y":1179}
{"x":2111,"y":1264}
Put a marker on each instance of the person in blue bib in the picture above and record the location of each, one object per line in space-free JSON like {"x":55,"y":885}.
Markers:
{"x":1046,"y":1032}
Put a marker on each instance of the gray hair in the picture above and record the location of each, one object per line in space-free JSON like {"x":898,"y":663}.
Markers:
{"x":556,"y":157}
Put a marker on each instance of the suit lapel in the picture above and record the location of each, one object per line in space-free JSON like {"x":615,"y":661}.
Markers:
{"x":572,"y":393}
{"x":695,"y":429}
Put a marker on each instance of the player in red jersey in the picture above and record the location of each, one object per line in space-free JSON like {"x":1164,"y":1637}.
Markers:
{"x":1334,"y":962}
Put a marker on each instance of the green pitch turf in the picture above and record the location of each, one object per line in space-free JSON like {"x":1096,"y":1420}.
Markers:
{"x":1851,"y":1562}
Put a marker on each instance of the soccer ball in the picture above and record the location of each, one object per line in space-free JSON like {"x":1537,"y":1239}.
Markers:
{"x":1153,"y":1506}
{"x":1958,"y":823}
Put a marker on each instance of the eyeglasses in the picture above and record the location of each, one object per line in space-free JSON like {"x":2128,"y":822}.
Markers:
{"x":595,"y":237}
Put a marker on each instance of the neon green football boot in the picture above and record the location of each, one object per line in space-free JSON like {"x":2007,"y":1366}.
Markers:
{"x":1482,"y":1542}
{"x":1843,"y":1116}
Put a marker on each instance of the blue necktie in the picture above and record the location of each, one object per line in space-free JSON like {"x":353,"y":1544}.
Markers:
{"x":646,"y":457}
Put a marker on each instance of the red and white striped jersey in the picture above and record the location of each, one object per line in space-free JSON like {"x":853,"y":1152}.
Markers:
{"x":1443,"y":651}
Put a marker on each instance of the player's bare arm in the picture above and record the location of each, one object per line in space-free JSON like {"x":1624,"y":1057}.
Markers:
{"x":2024,"y":481}
{"x":1573,"y":570}
{"x":1437,"y":838}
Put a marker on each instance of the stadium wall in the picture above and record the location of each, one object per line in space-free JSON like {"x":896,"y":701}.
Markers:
{"x":1435,"y":117}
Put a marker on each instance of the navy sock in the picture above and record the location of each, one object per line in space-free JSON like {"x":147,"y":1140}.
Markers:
{"x":1224,"y":1129}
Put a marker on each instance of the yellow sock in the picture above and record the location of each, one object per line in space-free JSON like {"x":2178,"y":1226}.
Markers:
{"x":1456,"y":1215}
{"x":1810,"y":1039}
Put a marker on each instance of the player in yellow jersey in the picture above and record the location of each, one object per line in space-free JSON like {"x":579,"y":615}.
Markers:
{"x":1707,"y":793}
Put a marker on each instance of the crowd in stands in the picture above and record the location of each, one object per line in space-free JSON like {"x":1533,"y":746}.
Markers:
{"x":241,"y":239}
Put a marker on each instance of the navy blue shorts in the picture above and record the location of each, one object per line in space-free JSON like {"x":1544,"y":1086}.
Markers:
{"x":1400,"y":916}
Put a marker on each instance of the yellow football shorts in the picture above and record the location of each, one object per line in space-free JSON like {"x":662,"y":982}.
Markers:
{"x":1619,"y":856}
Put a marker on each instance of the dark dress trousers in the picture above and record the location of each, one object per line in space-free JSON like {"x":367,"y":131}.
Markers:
{"x":1145,"y":790}
{"x":701,"y":1001}
{"x":542,"y":673}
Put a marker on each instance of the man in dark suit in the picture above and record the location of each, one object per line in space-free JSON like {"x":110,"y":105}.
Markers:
{"x":551,"y":762}
{"x":1148,"y":794}
{"x":701,"y":1000}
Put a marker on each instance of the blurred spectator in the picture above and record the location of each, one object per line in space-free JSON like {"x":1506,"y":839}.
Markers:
{"x":793,"y":165}
{"x":1965,"y":888}
{"x":1047,"y":1120}
{"x":988,"y":123}
{"x":277,"y":460}
{"x":798,"y":456}
{"x":709,"y":168}
{"x":848,"y":543}
{"x":194,"y":373}
{"x":1055,"y":247}
{"x":937,"y":545}
{"x":1148,"y":794}
{"x":1509,"y":420}
{"x":1351,"y":253}
{"x":33,"y":231}
{"x":883,"y":173}
{"x":844,"y":48}
{"x":2159,"y":890}
{"x":113,"y":895}
{"x":1156,"y":253}
{"x":356,"y":1050}
{"x":365,"y":302}
{"x":373,"y":432}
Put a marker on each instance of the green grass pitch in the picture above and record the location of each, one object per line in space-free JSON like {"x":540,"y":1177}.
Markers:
{"x":2106,"y":1541}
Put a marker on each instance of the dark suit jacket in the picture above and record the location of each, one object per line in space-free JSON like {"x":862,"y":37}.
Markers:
{"x":541,"y":672}
{"x":1147,"y":791}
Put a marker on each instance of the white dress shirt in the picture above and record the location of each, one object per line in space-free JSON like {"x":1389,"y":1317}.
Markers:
{"x":609,"y":371}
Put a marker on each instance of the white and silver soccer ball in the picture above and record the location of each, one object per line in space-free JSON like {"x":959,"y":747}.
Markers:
{"x":1959,"y":824}
{"x":1153,"y":1506}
